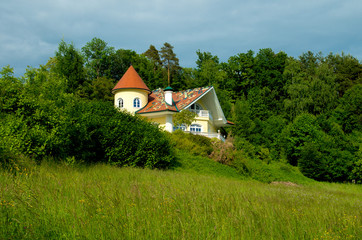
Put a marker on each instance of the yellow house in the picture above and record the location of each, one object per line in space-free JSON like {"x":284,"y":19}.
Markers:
{"x":159,"y":105}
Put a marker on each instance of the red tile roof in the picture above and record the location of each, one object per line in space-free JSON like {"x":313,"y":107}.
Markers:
{"x":156,"y":100}
{"x":131,"y":79}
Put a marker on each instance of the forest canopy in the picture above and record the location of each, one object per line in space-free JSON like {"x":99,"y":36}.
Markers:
{"x":304,"y":111}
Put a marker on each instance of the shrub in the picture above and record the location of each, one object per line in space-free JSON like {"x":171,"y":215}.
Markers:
{"x":131,"y":141}
{"x":194,"y":144}
{"x":96,"y":132}
{"x":312,"y":163}
{"x":86,"y":131}
{"x":223,"y":152}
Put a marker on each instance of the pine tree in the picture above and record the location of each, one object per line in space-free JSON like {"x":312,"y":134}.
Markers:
{"x":169,"y":59}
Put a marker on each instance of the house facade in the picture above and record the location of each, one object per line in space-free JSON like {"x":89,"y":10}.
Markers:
{"x":133,"y":95}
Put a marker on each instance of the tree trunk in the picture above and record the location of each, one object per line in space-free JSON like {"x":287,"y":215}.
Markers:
{"x":168,"y":73}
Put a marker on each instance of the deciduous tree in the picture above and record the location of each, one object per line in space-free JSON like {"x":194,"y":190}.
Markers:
{"x":97,"y":55}
{"x":69,"y":64}
{"x":184,"y":117}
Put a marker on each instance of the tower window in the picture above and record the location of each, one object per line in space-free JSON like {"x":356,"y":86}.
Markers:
{"x":137,"y":103}
{"x":120,"y":103}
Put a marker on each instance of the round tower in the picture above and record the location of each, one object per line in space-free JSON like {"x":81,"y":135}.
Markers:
{"x":131,"y":93}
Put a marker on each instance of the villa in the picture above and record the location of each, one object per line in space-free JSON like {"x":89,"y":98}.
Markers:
{"x":159,"y":105}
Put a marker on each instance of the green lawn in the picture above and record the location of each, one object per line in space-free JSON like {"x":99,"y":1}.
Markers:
{"x":102,"y":202}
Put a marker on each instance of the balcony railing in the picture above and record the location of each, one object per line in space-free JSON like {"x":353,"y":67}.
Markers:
{"x":209,"y":135}
{"x":202,"y":113}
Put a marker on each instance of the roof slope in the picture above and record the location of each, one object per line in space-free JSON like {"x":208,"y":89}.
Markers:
{"x":182,"y":99}
{"x":131,"y":79}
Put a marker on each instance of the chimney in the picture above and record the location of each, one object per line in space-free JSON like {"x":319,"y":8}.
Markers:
{"x":168,"y":95}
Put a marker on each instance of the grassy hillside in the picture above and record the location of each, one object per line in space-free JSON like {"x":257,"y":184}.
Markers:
{"x":53,"y":201}
{"x":206,"y":156}
{"x":188,"y":163}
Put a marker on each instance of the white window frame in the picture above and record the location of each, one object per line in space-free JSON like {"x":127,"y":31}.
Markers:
{"x":196,"y":107}
{"x":120,"y":102}
{"x":137,"y":102}
{"x":196,"y":128}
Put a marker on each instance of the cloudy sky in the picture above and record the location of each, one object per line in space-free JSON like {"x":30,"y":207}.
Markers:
{"x":30,"y":31}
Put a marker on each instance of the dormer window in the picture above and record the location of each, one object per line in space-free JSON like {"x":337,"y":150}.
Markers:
{"x":120,"y":103}
{"x":137,"y":103}
{"x":195,"y":108}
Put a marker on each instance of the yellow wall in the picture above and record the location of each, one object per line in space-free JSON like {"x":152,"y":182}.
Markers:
{"x":212,"y":129}
{"x":206,"y":125}
{"x":203,"y":124}
{"x":128,"y":95}
{"x":159,"y":120}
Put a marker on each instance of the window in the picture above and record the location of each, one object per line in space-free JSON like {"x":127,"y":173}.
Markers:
{"x":195,"y":108}
{"x":195,"y":128}
{"x":120,"y":103}
{"x":137,"y":103}
{"x":180,"y":127}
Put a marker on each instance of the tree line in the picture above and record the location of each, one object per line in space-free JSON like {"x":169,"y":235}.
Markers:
{"x":305,"y":111}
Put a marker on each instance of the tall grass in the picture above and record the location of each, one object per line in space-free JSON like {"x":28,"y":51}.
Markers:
{"x":188,"y":163}
{"x":103,"y":202}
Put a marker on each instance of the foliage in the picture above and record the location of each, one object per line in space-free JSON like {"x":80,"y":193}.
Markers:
{"x":357,"y":171}
{"x":63,"y":126}
{"x":10,"y":87}
{"x":304,"y":129}
{"x":244,"y":125}
{"x":193,"y":144}
{"x":153,"y":54}
{"x":241,"y":74}
{"x":69,"y":64}
{"x":100,"y":89}
{"x":169,"y":60}
{"x":305,"y":111}
{"x":349,"y":112}
{"x":139,"y":144}
{"x":97,"y":55}
{"x":316,"y":152}
{"x":185,"y":117}
{"x":224,"y":152}
{"x":248,"y":163}
{"x":209,"y":71}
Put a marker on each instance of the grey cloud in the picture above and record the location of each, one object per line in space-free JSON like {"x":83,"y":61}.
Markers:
{"x":31,"y":30}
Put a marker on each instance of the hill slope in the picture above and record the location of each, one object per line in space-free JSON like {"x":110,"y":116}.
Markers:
{"x":206,"y":156}
{"x":104,"y":202}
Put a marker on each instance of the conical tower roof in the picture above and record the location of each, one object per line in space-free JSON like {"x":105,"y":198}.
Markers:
{"x":131,"y":80}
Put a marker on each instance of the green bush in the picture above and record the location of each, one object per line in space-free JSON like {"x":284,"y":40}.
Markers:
{"x":312,"y":162}
{"x":87,"y":131}
{"x":131,"y":141}
{"x":41,"y":122}
{"x":96,"y":132}
{"x":194,"y":144}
